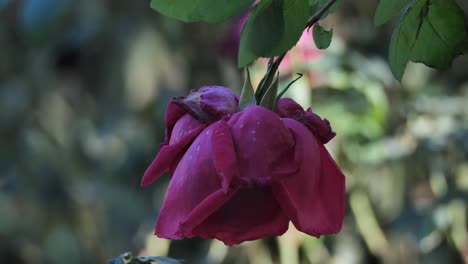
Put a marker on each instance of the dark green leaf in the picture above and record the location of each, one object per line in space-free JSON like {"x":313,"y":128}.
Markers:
{"x":264,"y":26}
{"x":322,"y":37}
{"x":273,"y":27}
{"x":432,"y":32}
{"x":247,"y":96}
{"x":316,"y":5}
{"x":269,"y":77}
{"x":403,"y":39}
{"x":442,"y":36}
{"x":212,"y":11}
{"x":388,"y":9}
{"x":269,"y":98}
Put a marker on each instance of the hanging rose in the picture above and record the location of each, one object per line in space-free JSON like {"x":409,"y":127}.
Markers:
{"x":243,"y":172}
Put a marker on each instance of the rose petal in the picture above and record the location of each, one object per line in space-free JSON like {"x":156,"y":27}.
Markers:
{"x":209,"y":103}
{"x":314,"y":197}
{"x":252,"y":213}
{"x":320,"y":127}
{"x":173,"y":114}
{"x":224,"y":154}
{"x":194,"y":183}
{"x":184,"y":132}
{"x":264,"y":146}
{"x":287,"y":107}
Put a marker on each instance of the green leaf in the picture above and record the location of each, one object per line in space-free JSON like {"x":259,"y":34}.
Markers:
{"x":264,"y":26}
{"x":269,"y":98}
{"x":273,"y":27}
{"x":432,"y":32}
{"x":247,"y":96}
{"x":316,"y":5}
{"x":322,"y":37}
{"x":442,"y":36}
{"x":403,"y":39}
{"x":268,"y":78}
{"x":388,"y":9}
{"x":212,"y":11}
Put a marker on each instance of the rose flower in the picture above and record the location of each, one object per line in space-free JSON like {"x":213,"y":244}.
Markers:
{"x":241,"y":175}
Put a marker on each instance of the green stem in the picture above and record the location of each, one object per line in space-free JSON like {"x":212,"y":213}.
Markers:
{"x":319,"y":14}
{"x":312,"y":20}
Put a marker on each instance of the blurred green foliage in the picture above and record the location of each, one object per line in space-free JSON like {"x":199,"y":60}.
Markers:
{"x":83,"y":90}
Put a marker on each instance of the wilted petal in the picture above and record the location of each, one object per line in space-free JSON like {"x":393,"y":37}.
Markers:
{"x":320,"y":127}
{"x":183,"y":133}
{"x":194,"y":183}
{"x":287,"y":107}
{"x":314,"y":197}
{"x":252,"y":213}
{"x":264,"y":146}
{"x":209,"y":103}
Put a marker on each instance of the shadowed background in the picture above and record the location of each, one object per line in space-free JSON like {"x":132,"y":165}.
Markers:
{"x":83,"y":90}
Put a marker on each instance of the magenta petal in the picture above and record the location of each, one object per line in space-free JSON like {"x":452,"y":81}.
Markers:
{"x":333,"y":200}
{"x":314,"y":197}
{"x":173,"y":114}
{"x":224,"y":154}
{"x":252,"y":213}
{"x":209,"y":103}
{"x":184,"y":132}
{"x":287,"y":107}
{"x":194,"y":181}
{"x":184,"y":128}
{"x":321,"y":127}
{"x":264,"y":145}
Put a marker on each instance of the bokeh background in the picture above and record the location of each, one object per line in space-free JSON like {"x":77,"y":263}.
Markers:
{"x":83,"y":90}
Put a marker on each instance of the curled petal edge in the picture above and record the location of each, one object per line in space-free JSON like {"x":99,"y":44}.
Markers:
{"x":166,"y":157}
